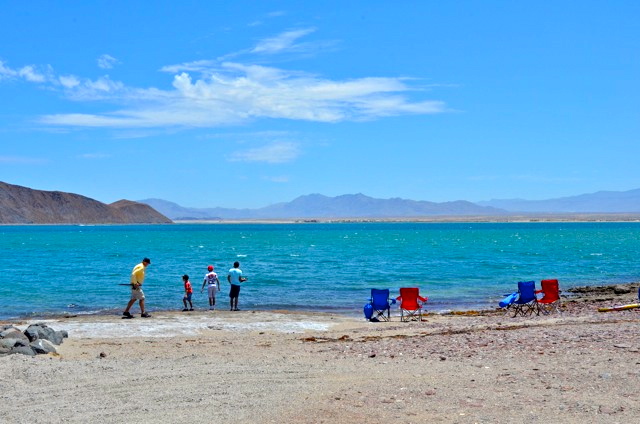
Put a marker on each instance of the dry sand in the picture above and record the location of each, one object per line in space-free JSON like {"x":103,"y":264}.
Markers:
{"x":263,"y":367}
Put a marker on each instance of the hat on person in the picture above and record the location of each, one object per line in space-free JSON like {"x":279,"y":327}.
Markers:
{"x":146,"y":260}
{"x":210,"y":267}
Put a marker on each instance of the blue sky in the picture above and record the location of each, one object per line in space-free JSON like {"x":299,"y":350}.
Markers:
{"x":250,"y":103}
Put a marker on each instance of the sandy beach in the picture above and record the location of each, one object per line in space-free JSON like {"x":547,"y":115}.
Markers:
{"x":283,"y":367}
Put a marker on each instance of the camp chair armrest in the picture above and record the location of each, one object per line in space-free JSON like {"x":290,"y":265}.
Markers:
{"x":539,"y":291}
{"x":399,"y":298}
{"x":423,"y":299}
{"x":393,"y":301}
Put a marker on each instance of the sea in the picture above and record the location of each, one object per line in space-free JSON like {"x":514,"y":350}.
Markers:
{"x":56,"y":270}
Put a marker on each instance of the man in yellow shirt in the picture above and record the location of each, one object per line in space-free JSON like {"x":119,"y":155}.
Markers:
{"x":137,"y":278}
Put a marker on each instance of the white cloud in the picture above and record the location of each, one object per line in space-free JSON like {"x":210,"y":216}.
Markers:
{"x":68,"y":81}
{"x":200,"y":66}
{"x":28,"y":73}
{"x":211,"y":94}
{"x":106,"y":61}
{"x":281,"y":42}
{"x":236,"y":93}
{"x":277,"y":152}
{"x":94,"y":156}
{"x":5,"y":71}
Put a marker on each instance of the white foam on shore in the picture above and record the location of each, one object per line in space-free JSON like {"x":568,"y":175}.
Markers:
{"x":174,"y":326}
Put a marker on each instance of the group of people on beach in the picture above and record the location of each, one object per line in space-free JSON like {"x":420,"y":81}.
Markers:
{"x":211,"y":281}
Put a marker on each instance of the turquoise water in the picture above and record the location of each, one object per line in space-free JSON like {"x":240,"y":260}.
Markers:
{"x":313,"y":266}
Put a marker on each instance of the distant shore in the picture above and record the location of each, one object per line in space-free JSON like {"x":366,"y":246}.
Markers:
{"x":516,"y":218}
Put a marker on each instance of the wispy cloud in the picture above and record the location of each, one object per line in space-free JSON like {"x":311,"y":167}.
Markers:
{"x":29,"y":73}
{"x":106,"y":61}
{"x":282,"y":42}
{"x":214,"y":93}
{"x":200,"y":66}
{"x":94,"y":156}
{"x":238,"y":93}
{"x":269,"y":15}
{"x":276,"y":152}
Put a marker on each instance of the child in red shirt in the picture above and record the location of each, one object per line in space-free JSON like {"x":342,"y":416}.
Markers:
{"x":188,"y":291}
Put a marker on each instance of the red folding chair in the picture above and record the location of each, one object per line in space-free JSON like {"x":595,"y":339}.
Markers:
{"x":411,"y":303}
{"x":550,"y":300}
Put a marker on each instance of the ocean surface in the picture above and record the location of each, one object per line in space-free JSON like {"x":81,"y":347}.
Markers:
{"x":53,"y":270}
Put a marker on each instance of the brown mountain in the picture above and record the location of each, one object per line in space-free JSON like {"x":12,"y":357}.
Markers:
{"x":22,"y":205}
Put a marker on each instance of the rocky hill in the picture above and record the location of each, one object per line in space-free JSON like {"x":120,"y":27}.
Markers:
{"x":22,"y":205}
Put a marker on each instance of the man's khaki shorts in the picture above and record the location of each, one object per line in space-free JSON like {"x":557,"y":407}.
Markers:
{"x":137,"y":294}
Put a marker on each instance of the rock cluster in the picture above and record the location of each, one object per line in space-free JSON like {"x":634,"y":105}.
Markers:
{"x":36,"y":339}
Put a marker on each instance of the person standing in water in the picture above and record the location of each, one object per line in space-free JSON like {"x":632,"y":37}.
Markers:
{"x":213,"y":286}
{"x":235,"y":278}
{"x":188,"y":292}
{"x":137,"y":278}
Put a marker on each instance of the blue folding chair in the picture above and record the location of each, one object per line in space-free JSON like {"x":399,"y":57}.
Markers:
{"x":527,"y":301}
{"x":381,"y":304}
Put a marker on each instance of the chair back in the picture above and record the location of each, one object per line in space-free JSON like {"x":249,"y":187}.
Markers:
{"x":409,"y":297}
{"x":380,"y":298}
{"x":550,"y":290}
{"x":527,"y":290}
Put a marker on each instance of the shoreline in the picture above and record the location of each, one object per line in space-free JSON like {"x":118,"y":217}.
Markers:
{"x":575,"y":298}
{"x":613,"y":293}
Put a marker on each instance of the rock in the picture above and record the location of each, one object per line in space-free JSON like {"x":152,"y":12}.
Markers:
{"x":25,"y":350}
{"x":13,"y":333}
{"x":11,"y":343}
{"x":42,"y":331}
{"x":42,"y":346}
{"x":620,"y":289}
{"x":36,"y":339}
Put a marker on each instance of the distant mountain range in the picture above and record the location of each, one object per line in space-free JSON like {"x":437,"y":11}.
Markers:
{"x":361,"y":206}
{"x":22,"y":205}
{"x":319,"y":206}
{"x":599,"y":202}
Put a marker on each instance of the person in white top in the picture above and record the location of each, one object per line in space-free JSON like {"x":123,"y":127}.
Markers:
{"x":213,"y":286}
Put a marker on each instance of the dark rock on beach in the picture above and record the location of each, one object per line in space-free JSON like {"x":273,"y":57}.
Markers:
{"x":36,"y":339}
{"x":616,"y":292}
{"x":42,"y":346}
{"x":41,"y":331}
